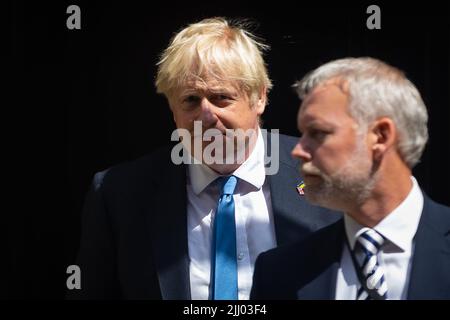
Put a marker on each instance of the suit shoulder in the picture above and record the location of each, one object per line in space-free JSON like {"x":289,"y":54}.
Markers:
{"x":131,"y":172}
{"x":311,"y":245}
{"x":282,"y":271}
{"x":286,"y":144}
{"x":437,"y":214}
{"x":288,"y":140}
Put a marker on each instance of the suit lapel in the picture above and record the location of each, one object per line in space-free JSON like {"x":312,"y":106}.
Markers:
{"x":431,"y":259}
{"x":294,"y":217}
{"x":323,"y":287}
{"x":287,"y":205}
{"x":168,"y":222}
{"x":285,"y":211}
{"x":326,"y":262}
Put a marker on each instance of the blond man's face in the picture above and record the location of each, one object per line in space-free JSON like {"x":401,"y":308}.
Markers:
{"x":218,"y":105}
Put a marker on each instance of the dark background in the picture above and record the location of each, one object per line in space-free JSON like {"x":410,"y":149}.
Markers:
{"x":84,"y":100}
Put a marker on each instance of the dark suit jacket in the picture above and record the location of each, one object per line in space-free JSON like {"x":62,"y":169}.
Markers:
{"x":308,"y":269}
{"x":134,"y":231}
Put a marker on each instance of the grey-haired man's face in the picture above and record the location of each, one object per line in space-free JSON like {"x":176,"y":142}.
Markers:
{"x":336,"y":162}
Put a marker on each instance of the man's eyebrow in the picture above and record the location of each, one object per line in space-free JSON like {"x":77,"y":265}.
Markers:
{"x":320,"y":122}
{"x":216,"y":89}
{"x":189,"y":91}
{"x":221,"y":90}
{"x":314,"y":123}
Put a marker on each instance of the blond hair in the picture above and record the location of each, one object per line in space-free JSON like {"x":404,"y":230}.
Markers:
{"x":218,"y":49}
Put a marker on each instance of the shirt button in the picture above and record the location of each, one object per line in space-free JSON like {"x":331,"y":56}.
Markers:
{"x":240,"y":256}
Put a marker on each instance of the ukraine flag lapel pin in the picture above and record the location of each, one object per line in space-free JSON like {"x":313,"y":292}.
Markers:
{"x":300,"y":188}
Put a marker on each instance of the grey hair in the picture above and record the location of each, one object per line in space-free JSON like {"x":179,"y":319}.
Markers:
{"x":376,"y":90}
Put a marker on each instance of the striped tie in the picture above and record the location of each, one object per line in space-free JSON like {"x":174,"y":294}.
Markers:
{"x":366,"y":249}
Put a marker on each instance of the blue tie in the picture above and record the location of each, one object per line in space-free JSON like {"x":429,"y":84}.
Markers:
{"x":367,"y":246}
{"x":223,"y":261}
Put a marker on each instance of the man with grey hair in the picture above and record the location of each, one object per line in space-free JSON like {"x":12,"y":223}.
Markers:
{"x":364,"y":127}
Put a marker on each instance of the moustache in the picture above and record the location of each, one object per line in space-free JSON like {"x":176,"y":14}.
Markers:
{"x":309,"y":169}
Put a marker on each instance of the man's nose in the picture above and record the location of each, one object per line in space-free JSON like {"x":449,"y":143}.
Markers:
{"x":301,"y":152}
{"x":207,"y":115}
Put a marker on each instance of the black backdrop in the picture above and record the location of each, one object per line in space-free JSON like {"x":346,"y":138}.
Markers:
{"x":85,"y":99}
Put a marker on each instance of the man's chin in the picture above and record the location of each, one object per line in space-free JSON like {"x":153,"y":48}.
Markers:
{"x":312,"y":180}
{"x":223,"y":169}
{"x":321,"y":196}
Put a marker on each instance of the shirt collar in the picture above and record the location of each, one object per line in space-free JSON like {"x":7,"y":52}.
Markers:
{"x":399,"y":226}
{"x":251,"y":171}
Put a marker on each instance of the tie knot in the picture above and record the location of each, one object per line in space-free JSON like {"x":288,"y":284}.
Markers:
{"x":371,"y":240}
{"x":228,"y":184}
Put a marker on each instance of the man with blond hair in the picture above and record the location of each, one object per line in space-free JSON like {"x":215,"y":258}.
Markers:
{"x":191,"y":227}
{"x":364,"y":127}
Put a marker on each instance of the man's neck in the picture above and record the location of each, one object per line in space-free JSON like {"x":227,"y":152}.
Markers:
{"x":226,"y":169}
{"x":388,"y":193}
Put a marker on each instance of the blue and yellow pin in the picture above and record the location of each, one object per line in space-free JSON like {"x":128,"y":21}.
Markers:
{"x":300,"y":188}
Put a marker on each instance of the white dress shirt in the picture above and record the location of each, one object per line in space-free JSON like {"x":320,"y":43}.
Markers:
{"x":398,"y":228}
{"x":253,"y":214}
